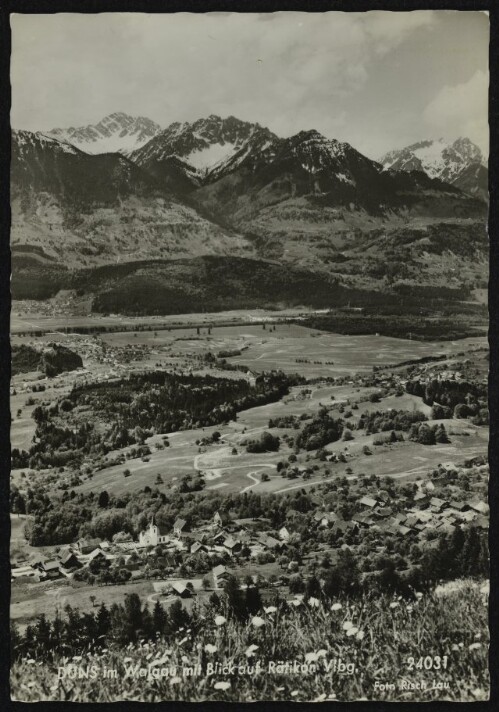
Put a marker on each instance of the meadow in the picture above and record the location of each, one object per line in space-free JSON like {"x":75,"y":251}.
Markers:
{"x":431,"y":648}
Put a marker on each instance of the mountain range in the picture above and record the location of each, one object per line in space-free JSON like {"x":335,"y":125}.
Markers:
{"x":460,"y":163}
{"x":125,"y":191}
{"x":116,"y":133}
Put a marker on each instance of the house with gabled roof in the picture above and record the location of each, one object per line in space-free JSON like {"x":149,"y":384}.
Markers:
{"x":198,"y":547}
{"x":383,"y":512}
{"x":220,"y":575}
{"x":421,"y":497}
{"x":232,"y":546}
{"x":181,"y":589}
{"x":368,"y":502}
{"x":437,"y":504}
{"x":85,"y":545}
{"x":459,"y":506}
{"x":179,"y":527}
{"x":284,"y":534}
{"x":70,"y":561}
{"x":480,"y":507}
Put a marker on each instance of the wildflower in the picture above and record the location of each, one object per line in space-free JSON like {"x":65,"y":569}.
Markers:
{"x":310,"y":657}
{"x":336,"y":607}
{"x":478,"y":636}
{"x":220,"y":620}
{"x":270,"y":609}
{"x":419,"y":594}
{"x":175,"y":680}
{"x":474,"y":646}
{"x":159,"y":661}
{"x":321,"y":653}
{"x":394,"y":604}
{"x":321,"y":697}
{"x":360,"y":635}
{"x":257,"y":621}
{"x":221,"y":685}
{"x":210,"y":648}
{"x":314,"y":602}
{"x":409,"y":609}
{"x":352,"y":631}
{"x":455,"y":648}
{"x":30,"y":662}
{"x":296,"y":602}
{"x":294,"y":693}
{"x":185,"y":659}
{"x":250,"y":651}
{"x":347,"y":625}
{"x":280,"y":689}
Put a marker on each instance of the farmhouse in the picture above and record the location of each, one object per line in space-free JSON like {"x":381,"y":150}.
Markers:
{"x":85,"y":546}
{"x":220,"y":575}
{"x":184,"y":590}
{"x":50,"y":569}
{"x":368,"y":502}
{"x":437,"y":504}
{"x":284,"y":534}
{"x":70,"y":561}
{"x":480,"y":507}
{"x":179,"y":527}
{"x":232,"y":546}
{"x":25,"y":572}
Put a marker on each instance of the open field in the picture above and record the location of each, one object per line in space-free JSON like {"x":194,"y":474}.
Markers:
{"x":230,"y":472}
{"x":30,"y":319}
{"x":293,"y":348}
{"x":242,"y":471}
{"x":31,"y":600}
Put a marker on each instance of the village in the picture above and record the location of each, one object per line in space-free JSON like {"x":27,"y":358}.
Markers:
{"x":191,"y":561}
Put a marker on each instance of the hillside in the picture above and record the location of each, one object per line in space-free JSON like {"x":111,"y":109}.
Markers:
{"x":51,"y":360}
{"x":305,"y":198}
{"x":207,"y":283}
{"x":230,"y":188}
{"x":186,"y":156}
{"x":374,"y":635}
{"x":78,"y":209}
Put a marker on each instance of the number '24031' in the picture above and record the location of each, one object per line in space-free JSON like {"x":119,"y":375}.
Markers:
{"x":430,"y":662}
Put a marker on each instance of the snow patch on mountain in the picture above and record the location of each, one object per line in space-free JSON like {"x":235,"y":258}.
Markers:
{"x":205,"y":158}
{"x":116,"y":133}
{"x":439,"y":159}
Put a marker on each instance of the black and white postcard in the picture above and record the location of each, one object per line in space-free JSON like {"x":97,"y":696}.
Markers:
{"x":249,"y":407}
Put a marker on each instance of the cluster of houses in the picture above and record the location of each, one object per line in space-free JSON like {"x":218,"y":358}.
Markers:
{"x":220,"y":537}
{"x":429,"y":513}
{"x":223,"y":538}
{"x":69,"y":559}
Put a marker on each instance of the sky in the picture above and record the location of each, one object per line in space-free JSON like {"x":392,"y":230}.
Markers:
{"x":379,"y":80}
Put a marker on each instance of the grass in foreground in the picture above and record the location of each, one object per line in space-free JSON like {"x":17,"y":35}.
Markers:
{"x":374,"y":638}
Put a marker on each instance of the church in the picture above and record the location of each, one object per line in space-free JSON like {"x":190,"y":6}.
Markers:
{"x":153,"y":535}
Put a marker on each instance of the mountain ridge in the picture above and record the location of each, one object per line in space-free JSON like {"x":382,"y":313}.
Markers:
{"x":460,"y":163}
{"x":116,"y":133}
